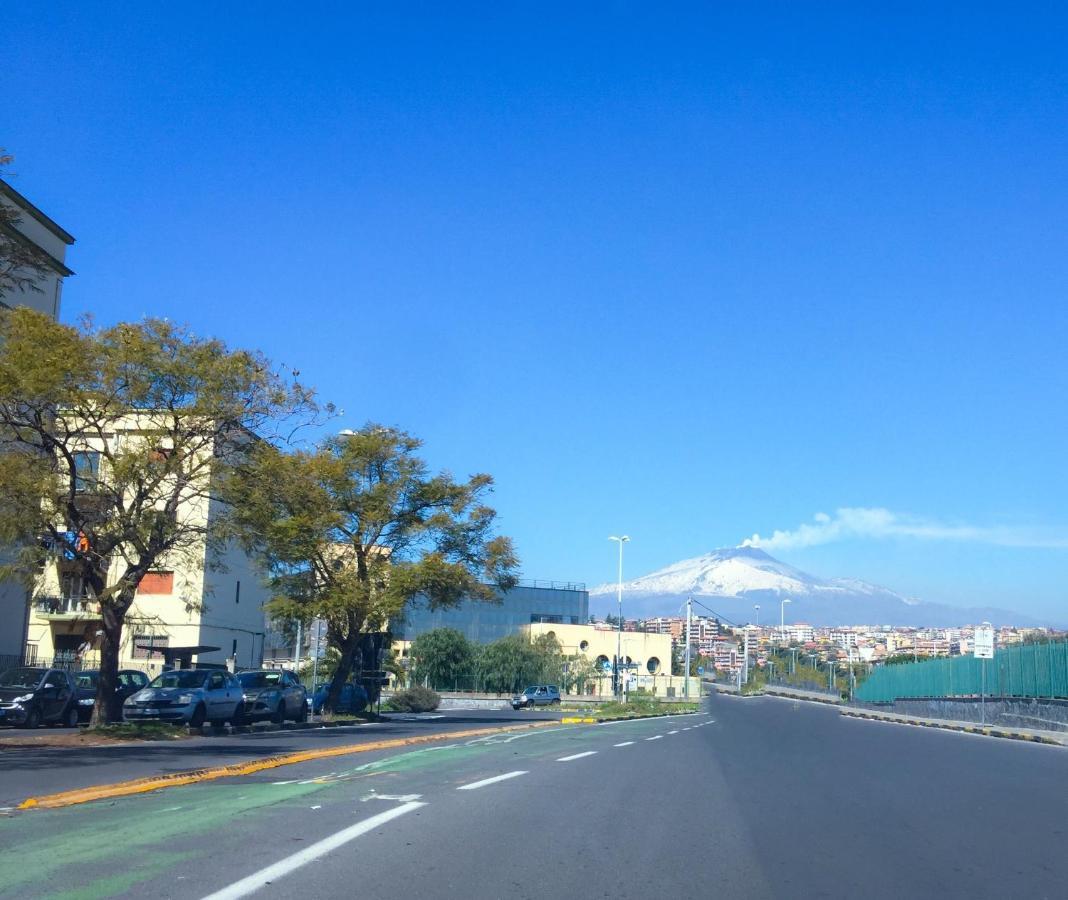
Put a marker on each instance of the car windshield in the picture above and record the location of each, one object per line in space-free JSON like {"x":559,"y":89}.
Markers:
{"x":260,"y":679}
{"x":187,"y":678}
{"x":21,"y":678}
{"x":86,"y":679}
{"x":530,"y":690}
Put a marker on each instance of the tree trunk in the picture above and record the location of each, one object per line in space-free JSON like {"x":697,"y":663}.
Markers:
{"x":349,"y":646}
{"x":108,"y":707}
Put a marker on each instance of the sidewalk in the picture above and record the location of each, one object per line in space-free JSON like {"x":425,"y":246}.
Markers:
{"x":1035,"y":735}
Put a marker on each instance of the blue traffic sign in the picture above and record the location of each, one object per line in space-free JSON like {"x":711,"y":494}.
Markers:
{"x":700,"y":670}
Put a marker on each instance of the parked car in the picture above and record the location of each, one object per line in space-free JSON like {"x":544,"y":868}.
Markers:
{"x":537,"y":695}
{"x":273,"y":694}
{"x":35,"y":695}
{"x":188,"y":696}
{"x":85,"y":682}
{"x":353,"y":698}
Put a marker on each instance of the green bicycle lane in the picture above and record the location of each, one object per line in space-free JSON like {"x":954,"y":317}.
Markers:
{"x":116,"y":847}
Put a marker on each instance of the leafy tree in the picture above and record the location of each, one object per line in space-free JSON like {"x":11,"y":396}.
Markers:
{"x":22,"y":264}
{"x":441,"y":657}
{"x":356,"y":528}
{"x":581,"y":672}
{"x":513,"y":662}
{"x":169,"y":416}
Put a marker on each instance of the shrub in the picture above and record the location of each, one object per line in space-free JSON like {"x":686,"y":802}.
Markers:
{"x":414,"y":699}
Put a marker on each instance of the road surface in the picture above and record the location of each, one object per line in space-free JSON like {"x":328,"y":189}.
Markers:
{"x":752,"y":798}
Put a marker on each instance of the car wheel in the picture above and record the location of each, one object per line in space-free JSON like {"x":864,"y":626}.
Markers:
{"x":199,"y":715}
{"x":302,"y":716}
{"x":556,"y":702}
{"x":238,"y":718}
{"x":279,"y":716}
{"x":33,"y":718}
{"x":72,"y":717}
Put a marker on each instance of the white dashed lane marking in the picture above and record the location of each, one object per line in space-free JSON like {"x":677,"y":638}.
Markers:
{"x":655,"y":737}
{"x":478,"y":784}
{"x":624,"y":744}
{"x":576,"y":756}
{"x":283,"y":867}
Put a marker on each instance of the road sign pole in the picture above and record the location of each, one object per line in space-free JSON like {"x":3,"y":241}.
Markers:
{"x":983,"y":693}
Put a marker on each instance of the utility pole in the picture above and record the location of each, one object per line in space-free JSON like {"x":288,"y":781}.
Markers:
{"x":315,"y":652}
{"x":686,"y":673}
{"x":619,"y":611}
{"x":745,"y":661}
{"x":299,"y":647}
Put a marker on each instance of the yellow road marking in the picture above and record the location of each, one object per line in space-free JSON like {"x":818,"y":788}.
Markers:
{"x":156,"y":782}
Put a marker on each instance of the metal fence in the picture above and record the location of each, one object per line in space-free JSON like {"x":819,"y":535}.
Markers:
{"x":1027,"y":670}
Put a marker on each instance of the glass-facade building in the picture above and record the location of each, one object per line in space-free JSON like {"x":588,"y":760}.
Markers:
{"x":483,"y":622}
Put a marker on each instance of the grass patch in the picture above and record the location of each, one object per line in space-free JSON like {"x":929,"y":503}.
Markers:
{"x":639,"y":706}
{"x":139,"y":731}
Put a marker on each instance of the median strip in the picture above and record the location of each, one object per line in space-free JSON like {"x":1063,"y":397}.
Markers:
{"x":178,"y":779}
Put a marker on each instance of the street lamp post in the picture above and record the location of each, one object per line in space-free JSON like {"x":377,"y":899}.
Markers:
{"x":782,"y":620}
{"x":619,"y":613}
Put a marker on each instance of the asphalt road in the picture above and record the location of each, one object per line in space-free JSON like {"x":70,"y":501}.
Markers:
{"x":752,"y":798}
{"x":27,"y":771}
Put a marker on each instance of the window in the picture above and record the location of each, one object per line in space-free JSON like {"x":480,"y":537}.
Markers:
{"x":653,"y":665}
{"x":216,"y":681}
{"x":156,"y":583}
{"x":145,"y":646}
{"x":86,"y":469}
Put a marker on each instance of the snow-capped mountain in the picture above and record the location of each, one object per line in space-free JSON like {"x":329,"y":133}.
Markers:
{"x":732,"y":580}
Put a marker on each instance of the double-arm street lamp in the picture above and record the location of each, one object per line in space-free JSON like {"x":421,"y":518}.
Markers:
{"x":619,"y":612}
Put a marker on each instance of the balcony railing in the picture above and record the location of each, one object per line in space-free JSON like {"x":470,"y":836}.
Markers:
{"x":67,"y":607}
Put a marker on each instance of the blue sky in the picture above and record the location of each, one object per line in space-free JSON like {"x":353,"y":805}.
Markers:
{"x":691,"y":275}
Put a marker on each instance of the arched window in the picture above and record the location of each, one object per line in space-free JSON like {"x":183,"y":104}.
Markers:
{"x":653,"y":665}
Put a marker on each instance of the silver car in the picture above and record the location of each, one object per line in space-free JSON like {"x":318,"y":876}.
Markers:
{"x":273,"y":694}
{"x":190,"y":697}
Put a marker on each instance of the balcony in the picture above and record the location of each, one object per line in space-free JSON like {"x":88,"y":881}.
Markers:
{"x":66,"y":608}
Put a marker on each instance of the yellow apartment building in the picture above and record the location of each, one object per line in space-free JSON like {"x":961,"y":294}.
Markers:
{"x":200,"y":606}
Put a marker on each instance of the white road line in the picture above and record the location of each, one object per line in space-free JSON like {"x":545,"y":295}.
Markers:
{"x":624,"y":744}
{"x":403,"y":798}
{"x":576,"y":756}
{"x":709,"y":722}
{"x":687,"y":728}
{"x":655,"y":737}
{"x":676,"y":731}
{"x":477,"y":784}
{"x":283,"y":867}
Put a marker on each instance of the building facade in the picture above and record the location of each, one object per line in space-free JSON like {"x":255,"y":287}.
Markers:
{"x":32,"y":228}
{"x":553,"y":603}
{"x":646,"y":657}
{"x":200,"y":603}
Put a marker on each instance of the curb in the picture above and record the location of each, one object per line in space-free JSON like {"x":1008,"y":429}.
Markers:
{"x":985,"y":730}
{"x":782,"y":696}
{"x":195,"y":776}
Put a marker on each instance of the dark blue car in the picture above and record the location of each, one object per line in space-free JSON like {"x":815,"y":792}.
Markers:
{"x":353,"y":698}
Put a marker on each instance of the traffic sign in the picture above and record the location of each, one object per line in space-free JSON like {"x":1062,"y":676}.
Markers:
{"x":984,"y":642}
{"x":700,"y":670}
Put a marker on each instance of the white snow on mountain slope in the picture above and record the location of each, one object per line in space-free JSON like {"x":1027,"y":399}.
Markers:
{"x":737,"y":580}
{"x":732,"y":573}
